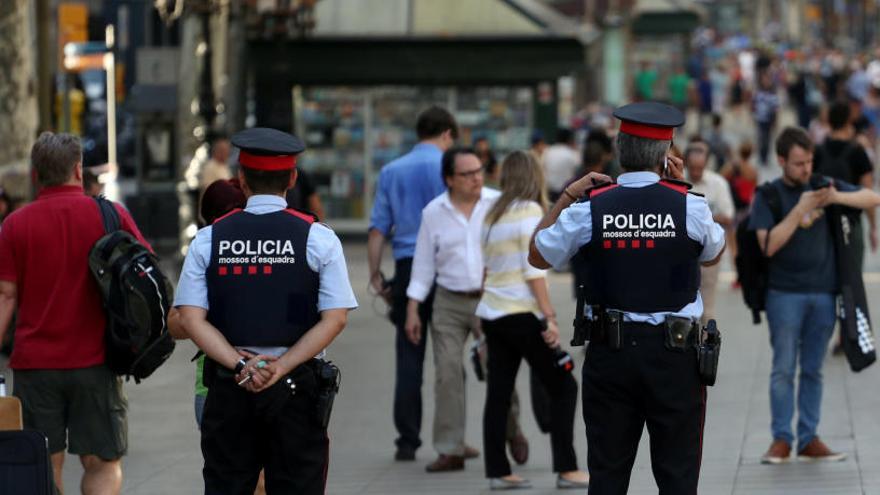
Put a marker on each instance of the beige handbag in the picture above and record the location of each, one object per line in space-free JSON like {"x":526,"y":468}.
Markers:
{"x":10,"y":413}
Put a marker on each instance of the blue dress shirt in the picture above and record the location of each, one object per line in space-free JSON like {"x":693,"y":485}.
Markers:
{"x":404,"y":187}
{"x":574,"y":228}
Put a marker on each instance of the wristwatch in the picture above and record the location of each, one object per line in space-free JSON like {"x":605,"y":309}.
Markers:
{"x":239,"y":366}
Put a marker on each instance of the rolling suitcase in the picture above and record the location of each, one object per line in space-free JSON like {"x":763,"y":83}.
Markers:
{"x":24,"y":463}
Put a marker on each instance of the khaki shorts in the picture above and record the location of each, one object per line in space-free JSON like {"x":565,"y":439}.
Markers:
{"x":86,"y":407}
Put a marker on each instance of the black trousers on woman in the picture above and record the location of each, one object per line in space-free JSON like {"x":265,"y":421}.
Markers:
{"x":510,"y":339}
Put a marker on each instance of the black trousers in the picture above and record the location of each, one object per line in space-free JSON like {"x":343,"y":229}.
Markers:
{"x":643,"y":383}
{"x":510,"y":339}
{"x":243,"y":433}
{"x":410,"y":360}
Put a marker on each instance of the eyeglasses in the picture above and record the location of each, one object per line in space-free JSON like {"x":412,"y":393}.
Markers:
{"x":472,"y":173}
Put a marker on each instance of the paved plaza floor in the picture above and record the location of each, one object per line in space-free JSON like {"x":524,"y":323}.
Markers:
{"x":164,"y":456}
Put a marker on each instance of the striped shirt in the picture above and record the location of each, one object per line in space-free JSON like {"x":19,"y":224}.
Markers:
{"x":505,"y":256}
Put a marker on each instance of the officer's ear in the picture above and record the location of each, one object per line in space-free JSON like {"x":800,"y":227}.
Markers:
{"x":243,"y":183}
{"x":293,"y":175}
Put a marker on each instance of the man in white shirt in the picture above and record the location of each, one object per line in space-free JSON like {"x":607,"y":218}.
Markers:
{"x":448,"y":249}
{"x":717,"y":192}
{"x":561,"y":162}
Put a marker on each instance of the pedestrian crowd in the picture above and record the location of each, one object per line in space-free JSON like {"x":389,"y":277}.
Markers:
{"x":264,"y":288}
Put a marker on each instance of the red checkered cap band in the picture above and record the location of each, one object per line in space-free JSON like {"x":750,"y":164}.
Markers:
{"x":646,"y":131}
{"x":264,"y":162}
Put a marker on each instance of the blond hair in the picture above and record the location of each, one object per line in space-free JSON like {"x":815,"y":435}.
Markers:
{"x":521,"y":179}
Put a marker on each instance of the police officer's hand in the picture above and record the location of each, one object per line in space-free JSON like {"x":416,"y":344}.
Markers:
{"x":577,"y":188}
{"x":256,"y":369}
{"x":674,"y":168}
{"x":267,"y":376}
{"x":551,"y":335}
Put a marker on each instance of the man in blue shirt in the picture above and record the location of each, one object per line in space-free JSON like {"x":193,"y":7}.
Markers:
{"x":800,"y":304}
{"x":404,"y":187}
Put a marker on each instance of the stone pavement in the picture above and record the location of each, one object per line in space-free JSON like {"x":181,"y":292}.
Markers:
{"x":164,"y":456}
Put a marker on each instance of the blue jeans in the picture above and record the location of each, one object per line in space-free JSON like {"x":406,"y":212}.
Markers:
{"x":800,"y":324}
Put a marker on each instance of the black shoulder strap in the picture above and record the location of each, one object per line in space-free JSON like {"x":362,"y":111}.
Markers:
{"x":773,"y":199}
{"x":109,"y":215}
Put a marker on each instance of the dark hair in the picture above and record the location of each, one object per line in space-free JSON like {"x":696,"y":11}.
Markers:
{"x":594,"y":152}
{"x":435,"y":121}
{"x":89,"y":179}
{"x":716,"y":119}
{"x":600,"y":138}
{"x":564,"y":135}
{"x":448,"y":161}
{"x":221,"y":197}
{"x":791,"y":137}
{"x":838,"y":115}
{"x":266,"y":181}
{"x":54,"y":156}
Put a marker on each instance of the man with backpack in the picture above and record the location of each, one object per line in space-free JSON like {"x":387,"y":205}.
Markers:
{"x":802,"y":282}
{"x":66,"y":390}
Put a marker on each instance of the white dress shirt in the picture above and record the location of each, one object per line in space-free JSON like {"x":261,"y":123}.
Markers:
{"x":448,"y":247}
{"x":717,"y":192}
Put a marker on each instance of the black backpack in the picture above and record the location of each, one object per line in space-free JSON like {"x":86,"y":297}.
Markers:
{"x":752,"y":265}
{"x":137,"y":298}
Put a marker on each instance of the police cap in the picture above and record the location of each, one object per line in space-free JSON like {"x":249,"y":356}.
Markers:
{"x":262,"y":148}
{"x":649,"y":120}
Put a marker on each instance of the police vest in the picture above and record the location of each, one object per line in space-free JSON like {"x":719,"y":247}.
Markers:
{"x":640,"y":258}
{"x":261,"y":291}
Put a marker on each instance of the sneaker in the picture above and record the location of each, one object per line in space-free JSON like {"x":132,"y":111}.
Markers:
{"x":817,"y":451}
{"x":778,"y":453}
{"x":505,"y":484}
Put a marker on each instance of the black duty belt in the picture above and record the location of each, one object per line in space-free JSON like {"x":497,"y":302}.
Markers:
{"x":607,"y":327}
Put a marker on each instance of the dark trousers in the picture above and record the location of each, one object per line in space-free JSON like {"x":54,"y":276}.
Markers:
{"x":274,"y":430}
{"x":765,"y":129}
{"x":510,"y":339}
{"x":643,"y":383}
{"x":410,"y":360}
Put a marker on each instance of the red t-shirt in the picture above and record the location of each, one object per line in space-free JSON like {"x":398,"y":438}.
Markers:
{"x":44,"y":249}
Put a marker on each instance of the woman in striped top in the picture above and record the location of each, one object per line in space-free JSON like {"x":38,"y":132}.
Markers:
{"x":519,"y":322}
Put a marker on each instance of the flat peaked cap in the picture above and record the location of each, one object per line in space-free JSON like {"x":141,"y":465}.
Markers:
{"x":262,"y":148}
{"x":649,"y":120}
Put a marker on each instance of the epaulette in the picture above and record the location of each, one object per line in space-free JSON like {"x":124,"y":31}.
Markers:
{"x":597,"y":189}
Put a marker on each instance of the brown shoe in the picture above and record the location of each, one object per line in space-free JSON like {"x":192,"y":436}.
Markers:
{"x":446,"y":463}
{"x":519,"y":449}
{"x":817,"y":451}
{"x":470,"y":452}
{"x":778,"y":453}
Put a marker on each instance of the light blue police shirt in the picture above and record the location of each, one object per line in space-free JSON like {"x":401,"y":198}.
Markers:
{"x":323,"y":255}
{"x":574,"y":228}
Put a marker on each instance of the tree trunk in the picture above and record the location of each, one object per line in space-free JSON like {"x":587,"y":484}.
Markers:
{"x":18,"y":102}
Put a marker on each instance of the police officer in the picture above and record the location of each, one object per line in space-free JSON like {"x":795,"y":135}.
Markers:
{"x":642,"y":241}
{"x":262,"y":292}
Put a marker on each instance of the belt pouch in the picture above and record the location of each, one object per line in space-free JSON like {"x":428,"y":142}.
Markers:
{"x":613,"y":322}
{"x":677,"y":333}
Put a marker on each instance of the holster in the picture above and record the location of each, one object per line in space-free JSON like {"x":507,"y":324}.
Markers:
{"x":708,"y":353}
{"x":328,"y":378}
